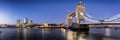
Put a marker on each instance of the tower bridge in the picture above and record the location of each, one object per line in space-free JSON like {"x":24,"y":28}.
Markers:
{"x":83,"y":19}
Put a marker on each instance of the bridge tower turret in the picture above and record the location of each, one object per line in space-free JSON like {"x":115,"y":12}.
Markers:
{"x":80,"y":12}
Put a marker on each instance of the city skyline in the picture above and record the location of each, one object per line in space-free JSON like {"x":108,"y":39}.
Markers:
{"x":54,"y":11}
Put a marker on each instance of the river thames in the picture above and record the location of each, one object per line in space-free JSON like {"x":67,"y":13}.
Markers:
{"x":58,"y":34}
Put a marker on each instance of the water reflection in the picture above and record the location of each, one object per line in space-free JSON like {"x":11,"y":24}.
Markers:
{"x":58,"y":34}
{"x":18,"y":34}
{"x":25,"y":34}
{"x":44,"y":32}
{"x":107,"y":32}
{"x":63,"y":32}
{"x":111,"y":34}
{"x":77,"y":35}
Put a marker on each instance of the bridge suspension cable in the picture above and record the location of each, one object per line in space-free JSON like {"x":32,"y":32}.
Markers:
{"x":114,"y":18}
{"x":89,"y":18}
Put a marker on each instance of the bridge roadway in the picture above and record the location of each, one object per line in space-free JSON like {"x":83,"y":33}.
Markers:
{"x":100,"y":25}
{"x":104,"y":23}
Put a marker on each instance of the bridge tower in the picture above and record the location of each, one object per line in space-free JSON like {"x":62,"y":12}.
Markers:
{"x":80,"y":13}
{"x":69,"y":18}
{"x":25,"y":20}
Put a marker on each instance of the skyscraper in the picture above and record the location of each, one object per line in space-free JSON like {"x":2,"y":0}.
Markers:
{"x":25,"y":20}
{"x":30,"y":22}
{"x":18,"y":23}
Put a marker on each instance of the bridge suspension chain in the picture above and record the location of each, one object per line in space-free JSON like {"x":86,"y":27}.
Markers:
{"x":114,"y":18}
{"x":89,"y":18}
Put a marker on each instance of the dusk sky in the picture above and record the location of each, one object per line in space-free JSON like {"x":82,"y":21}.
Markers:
{"x":53,"y":11}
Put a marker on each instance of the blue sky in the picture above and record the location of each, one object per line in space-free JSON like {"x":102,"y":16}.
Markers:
{"x":53,"y":11}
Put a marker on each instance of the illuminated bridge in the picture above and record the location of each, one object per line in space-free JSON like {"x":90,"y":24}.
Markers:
{"x":83,"y":19}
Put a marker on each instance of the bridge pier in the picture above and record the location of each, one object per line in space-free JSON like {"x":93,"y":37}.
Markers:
{"x":80,"y":28}
{"x":84,"y":27}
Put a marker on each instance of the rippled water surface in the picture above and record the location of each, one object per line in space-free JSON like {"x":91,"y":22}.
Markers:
{"x":58,"y":34}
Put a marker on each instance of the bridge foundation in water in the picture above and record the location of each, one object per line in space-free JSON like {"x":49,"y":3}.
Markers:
{"x":80,"y":28}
